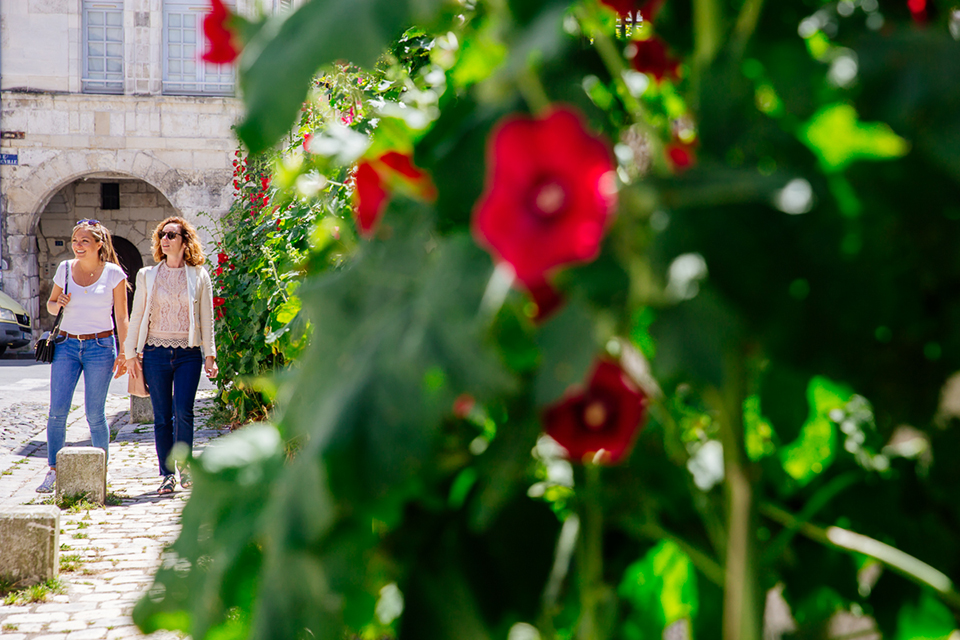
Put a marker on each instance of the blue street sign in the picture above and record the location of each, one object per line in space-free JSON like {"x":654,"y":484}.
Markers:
{"x":9,"y":158}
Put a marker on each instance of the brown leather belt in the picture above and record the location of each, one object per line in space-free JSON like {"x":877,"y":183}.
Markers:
{"x":88,"y":336}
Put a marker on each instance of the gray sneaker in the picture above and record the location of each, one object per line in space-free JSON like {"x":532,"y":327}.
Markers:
{"x":49,"y":482}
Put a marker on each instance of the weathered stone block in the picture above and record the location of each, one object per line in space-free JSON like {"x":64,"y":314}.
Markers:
{"x":141,"y":410}
{"x":29,"y":543}
{"x":82,"y":471}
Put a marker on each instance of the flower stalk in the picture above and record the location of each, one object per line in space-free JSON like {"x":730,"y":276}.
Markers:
{"x":590,"y":556}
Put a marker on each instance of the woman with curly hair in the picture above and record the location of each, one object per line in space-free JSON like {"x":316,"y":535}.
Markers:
{"x":89,"y":289}
{"x":171,"y":339}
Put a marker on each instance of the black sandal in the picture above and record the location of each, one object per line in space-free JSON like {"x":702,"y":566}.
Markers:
{"x":167,"y":486}
{"x":185,"y":479}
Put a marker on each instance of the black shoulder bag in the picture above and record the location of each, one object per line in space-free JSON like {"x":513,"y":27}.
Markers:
{"x":47,"y":342}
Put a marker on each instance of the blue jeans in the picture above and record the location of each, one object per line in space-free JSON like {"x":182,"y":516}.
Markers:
{"x":172,"y":376}
{"x":95,"y":359}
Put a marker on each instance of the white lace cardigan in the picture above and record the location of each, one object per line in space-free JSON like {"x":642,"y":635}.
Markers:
{"x":200,"y":292}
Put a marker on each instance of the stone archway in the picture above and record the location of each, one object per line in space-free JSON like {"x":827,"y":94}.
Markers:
{"x":131,"y":220}
{"x":130,"y":259}
{"x":26,"y":247}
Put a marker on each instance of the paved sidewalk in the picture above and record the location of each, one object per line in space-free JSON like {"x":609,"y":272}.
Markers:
{"x":118,"y":546}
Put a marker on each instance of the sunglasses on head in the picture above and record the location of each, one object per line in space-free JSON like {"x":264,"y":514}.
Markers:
{"x":170,"y":234}
{"x":89,"y":221}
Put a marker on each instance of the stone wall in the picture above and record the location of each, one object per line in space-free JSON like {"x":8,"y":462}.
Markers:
{"x":171,"y":154}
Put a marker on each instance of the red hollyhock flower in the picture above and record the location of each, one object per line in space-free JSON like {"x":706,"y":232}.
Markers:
{"x":220,"y":39}
{"x":370,"y":197}
{"x":652,"y":58}
{"x":463,"y":405}
{"x":218,"y":301}
{"x":222,"y":258}
{"x":918,"y":9}
{"x":372,"y":176}
{"x":547,"y":299}
{"x":647,"y":9}
{"x":550,"y":193}
{"x":681,"y":156}
{"x":604,"y":417}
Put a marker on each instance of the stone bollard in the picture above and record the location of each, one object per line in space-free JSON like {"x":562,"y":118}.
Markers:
{"x":82,"y":471}
{"x":30,"y":544}
{"x":141,"y":410}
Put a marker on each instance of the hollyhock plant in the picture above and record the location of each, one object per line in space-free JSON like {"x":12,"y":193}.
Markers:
{"x":651,"y":57}
{"x":221,"y":41}
{"x":372,"y":178}
{"x":603,"y":418}
{"x":550,"y":192}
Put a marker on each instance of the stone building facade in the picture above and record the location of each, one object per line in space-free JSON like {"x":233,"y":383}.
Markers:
{"x":106,"y":112}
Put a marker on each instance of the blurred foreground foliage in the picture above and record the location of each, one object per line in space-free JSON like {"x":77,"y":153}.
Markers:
{"x":783,"y":256}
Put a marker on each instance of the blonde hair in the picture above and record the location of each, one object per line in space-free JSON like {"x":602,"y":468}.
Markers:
{"x":101,"y":234}
{"x":192,"y":249}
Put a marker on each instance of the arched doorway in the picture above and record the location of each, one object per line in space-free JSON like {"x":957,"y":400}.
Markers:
{"x":130,"y":259}
{"x":129,"y":207}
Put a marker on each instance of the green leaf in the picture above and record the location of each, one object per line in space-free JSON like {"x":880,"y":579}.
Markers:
{"x":837,"y":138}
{"x":814,"y":449}
{"x":278,"y":63}
{"x":288,"y":310}
{"x":568,"y":349}
{"x":928,"y":619}
{"x":661,"y":589}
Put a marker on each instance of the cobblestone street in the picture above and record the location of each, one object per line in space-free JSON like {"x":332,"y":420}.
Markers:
{"x":107,"y":555}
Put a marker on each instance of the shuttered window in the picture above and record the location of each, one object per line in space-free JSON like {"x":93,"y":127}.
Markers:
{"x":102,"y":46}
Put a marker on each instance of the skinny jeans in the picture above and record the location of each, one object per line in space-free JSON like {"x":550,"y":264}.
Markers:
{"x":172,"y":375}
{"x":95,"y":359}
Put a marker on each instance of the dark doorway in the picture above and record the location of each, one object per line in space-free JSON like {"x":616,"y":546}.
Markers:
{"x":129,"y":257}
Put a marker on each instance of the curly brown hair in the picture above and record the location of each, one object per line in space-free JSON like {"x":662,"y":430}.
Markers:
{"x":192,"y":249}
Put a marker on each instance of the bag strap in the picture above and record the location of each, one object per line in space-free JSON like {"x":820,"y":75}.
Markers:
{"x":66,"y":285}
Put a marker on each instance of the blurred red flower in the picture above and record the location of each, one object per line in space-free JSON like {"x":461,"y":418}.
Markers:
{"x":605,"y":417}
{"x":681,"y":156}
{"x":221,"y":47}
{"x":918,"y":9}
{"x":652,"y":57}
{"x":372,"y":177}
{"x":370,"y":197}
{"x":463,"y":405}
{"x":218,"y":301}
{"x":222,"y":258}
{"x":647,"y":8}
{"x":550,"y":192}
{"x":546,"y":298}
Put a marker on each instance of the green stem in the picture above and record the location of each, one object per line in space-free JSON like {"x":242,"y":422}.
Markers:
{"x":709,"y":567}
{"x":566,"y":543}
{"x":532,"y":91}
{"x":911,"y":568}
{"x":706,"y":39}
{"x":746,"y":26}
{"x":819,"y":500}
{"x":590,"y":556}
{"x":742,"y":615}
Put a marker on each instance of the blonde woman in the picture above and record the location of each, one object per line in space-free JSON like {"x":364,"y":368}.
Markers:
{"x":87,"y":288}
{"x":171,"y":329}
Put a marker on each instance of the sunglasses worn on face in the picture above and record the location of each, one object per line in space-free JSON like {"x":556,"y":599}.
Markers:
{"x":89,"y":221}
{"x":171,"y":235}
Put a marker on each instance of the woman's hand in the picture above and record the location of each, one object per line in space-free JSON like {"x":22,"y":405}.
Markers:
{"x":63,"y":299}
{"x":210,"y":366}
{"x":119,"y":366}
{"x":133,"y":367}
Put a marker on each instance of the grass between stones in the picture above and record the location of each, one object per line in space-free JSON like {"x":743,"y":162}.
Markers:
{"x":13,"y":593}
